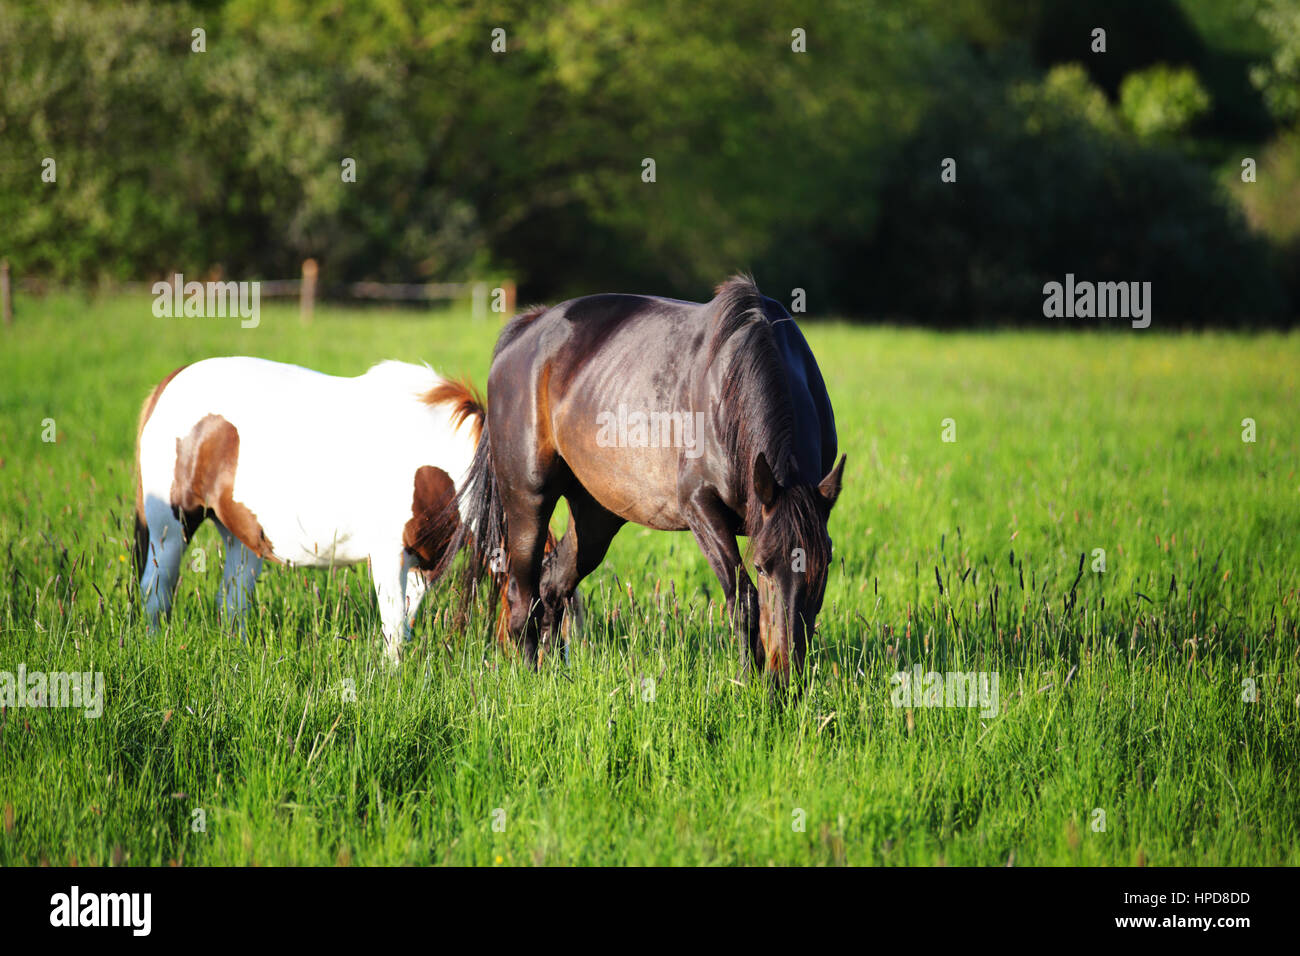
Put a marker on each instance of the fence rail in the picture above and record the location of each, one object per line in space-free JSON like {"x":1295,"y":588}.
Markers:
{"x":485,"y":295}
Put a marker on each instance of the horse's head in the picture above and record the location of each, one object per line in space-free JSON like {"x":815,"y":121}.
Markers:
{"x":791,"y":550}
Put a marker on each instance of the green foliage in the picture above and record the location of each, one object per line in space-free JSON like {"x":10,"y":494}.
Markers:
{"x":1065,"y":99}
{"x":1036,"y":161}
{"x":1272,"y":202}
{"x":84,"y":87}
{"x":1162,"y":102}
{"x":1122,"y":691}
{"x":171,"y":158}
{"x":1280,"y":77}
{"x":814,"y":170}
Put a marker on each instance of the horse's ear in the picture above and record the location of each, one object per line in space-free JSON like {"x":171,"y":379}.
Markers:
{"x":831,"y":484}
{"x":764,"y":481}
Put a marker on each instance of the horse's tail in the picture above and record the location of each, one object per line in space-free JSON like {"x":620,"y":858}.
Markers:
{"x":478,"y":507}
{"x":482,"y":527}
{"x":463,"y":401}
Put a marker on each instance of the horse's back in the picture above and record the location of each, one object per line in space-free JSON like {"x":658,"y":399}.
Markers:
{"x":280,"y":411}
{"x":324,"y":462}
{"x":592,"y":316}
{"x":601,"y":350}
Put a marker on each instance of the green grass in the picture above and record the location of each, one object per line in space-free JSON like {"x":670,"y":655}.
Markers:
{"x":1126,"y":698}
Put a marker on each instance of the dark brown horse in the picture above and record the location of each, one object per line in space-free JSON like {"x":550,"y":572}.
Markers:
{"x":674,"y":415}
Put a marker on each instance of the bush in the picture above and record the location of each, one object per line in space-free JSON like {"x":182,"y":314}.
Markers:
{"x":1040,"y":194}
{"x":1162,"y":102}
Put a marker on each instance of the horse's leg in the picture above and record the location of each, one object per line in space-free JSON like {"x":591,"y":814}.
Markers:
{"x":168,"y":536}
{"x":527,"y":517}
{"x":416,"y":586}
{"x":392,"y":573}
{"x":591,"y":529}
{"x":711,"y":523}
{"x":238,"y":575}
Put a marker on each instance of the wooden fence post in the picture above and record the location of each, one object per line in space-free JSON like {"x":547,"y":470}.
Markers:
{"x":509,"y":287}
{"x":479,"y":300}
{"x":6,"y":294}
{"x":307,"y":300}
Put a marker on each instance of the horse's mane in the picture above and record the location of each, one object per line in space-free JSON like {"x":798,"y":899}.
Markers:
{"x":755,"y":376}
{"x":758,"y":415}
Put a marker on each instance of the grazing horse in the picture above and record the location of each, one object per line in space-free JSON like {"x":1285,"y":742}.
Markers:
{"x":674,"y":415}
{"x":304,"y":469}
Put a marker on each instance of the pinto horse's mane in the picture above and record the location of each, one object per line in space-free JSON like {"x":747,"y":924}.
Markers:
{"x":758,"y":416}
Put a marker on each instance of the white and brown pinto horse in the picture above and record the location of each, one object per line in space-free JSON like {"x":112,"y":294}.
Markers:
{"x":307,"y":470}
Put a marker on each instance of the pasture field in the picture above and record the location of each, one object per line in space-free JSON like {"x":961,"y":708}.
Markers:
{"x":1149,"y":713}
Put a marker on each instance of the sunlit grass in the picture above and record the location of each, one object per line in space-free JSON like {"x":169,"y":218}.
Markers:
{"x":1121,"y":693}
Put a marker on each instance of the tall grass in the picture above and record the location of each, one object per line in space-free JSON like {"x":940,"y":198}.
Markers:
{"x":1123,"y":694}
